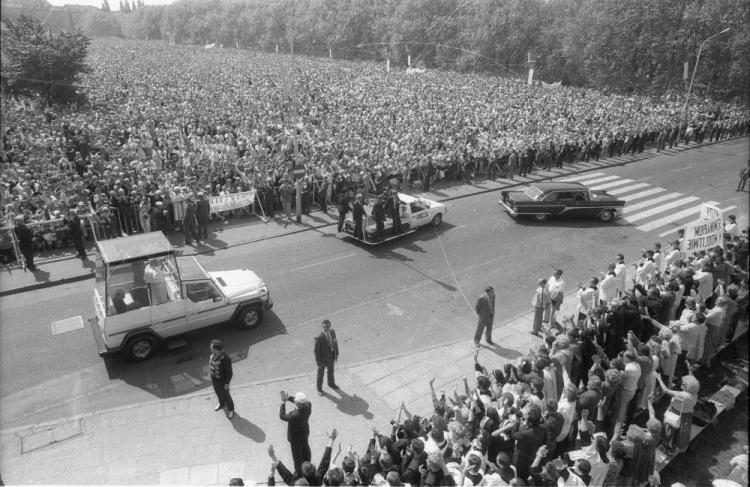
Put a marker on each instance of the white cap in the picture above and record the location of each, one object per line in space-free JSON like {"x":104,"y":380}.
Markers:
{"x":300,"y":397}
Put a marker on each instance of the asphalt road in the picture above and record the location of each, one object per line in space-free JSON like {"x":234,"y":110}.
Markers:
{"x":401,"y":296}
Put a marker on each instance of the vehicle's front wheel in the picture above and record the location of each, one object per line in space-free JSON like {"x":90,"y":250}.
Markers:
{"x":249,"y":317}
{"x":606,"y":216}
{"x":140,"y":348}
{"x":437,"y":220}
{"x":540,"y":217}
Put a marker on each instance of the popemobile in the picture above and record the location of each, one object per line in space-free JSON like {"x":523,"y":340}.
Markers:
{"x":145,"y":296}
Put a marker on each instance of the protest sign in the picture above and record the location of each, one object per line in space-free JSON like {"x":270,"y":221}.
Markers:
{"x":703,"y":234}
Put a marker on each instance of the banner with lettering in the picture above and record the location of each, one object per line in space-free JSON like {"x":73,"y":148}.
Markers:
{"x":703,"y":234}
{"x":231,"y":201}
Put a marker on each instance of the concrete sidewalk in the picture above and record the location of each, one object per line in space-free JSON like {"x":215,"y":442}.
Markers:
{"x":183,"y":441}
{"x":64,"y":267}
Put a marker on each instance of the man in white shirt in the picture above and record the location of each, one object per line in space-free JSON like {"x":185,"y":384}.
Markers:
{"x":705,"y":281}
{"x":673,"y":256}
{"x":646,"y":269}
{"x":731,"y":227}
{"x":608,"y":286}
{"x":621,"y":272}
{"x":586,"y":299}
{"x":556,"y":286}
{"x":658,"y":256}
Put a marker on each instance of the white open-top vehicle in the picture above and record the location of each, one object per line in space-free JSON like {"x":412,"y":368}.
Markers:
{"x":145,"y":294}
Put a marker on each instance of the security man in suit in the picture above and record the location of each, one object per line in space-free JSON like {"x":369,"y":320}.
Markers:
{"x":378,"y":214}
{"x":190,"y":221}
{"x":202,"y":215}
{"x":393,"y":208}
{"x":25,"y":242}
{"x":485,"y":309}
{"x":326,"y":355}
{"x":358,"y":214}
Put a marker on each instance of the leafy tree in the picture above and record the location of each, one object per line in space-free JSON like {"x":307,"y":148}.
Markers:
{"x":38,"y":62}
{"x":105,"y":6}
{"x":124,"y":6}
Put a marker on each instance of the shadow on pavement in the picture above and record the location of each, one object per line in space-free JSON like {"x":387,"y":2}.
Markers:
{"x":172,"y":373}
{"x":248,"y":429}
{"x":506,"y":353}
{"x":41,"y":275}
{"x":563,"y":222}
{"x":351,"y":405}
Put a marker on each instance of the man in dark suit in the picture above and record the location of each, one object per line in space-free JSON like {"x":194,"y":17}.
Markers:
{"x":203,"y":215}
{"x":485,"y":309}
{"x":326,"y":355}
{"x":393,"y":208}
{"x":298,"y":428}
{"x":378,"y":214}
{"x":189,"y":221}
{"x":358,"y":214}
{"x":343,"y":209}
{"x":25,"y":238}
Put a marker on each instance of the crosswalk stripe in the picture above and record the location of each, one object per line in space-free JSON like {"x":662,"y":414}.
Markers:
{"x":672,"y":218}
{"x":642,"y":194}
{"x":661,"y":209}
{"x":651,"y":202}
{"x":612,"y":184}
{"x":581,"y":177}
{"x":628,"y":189}
{"x":728,"y":208}
{"x":599,"y":180}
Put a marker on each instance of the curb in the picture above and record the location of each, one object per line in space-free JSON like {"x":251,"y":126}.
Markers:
{"x":305,"y":228}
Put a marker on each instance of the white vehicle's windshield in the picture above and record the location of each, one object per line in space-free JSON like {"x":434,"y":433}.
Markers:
{"x":533,"y":192}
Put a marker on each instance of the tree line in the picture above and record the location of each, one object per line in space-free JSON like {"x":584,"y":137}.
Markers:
{"x":632,"y":46}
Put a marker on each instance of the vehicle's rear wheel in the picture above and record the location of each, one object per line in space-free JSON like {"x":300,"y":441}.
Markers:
{"x":140,"y":348}
{"x":249,"y":317}
{"x":540,"y":217}
{"x":606,"y":216}
{"x":437,"y":220}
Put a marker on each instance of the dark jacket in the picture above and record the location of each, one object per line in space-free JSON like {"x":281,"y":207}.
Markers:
{"x":25,"y":237}
{"x":221,"y":368}
{"x":203,"y":210}
{"x":298,"y":427}
{"x":324,"y":353}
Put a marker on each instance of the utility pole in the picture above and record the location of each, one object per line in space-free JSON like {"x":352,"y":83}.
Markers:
{"x":695,"y":68}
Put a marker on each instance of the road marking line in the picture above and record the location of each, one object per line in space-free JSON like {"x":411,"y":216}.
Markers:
{"x":728,"y":208}
{"x":642,"y":194}
{"x":599,"y":180}
{"x":323,"y":262}
{"x":582,"y":177}
{"x":627,"y":189}
{"x":612,"y":185}
{"x":661,"y":209}
{"x":69,"y":324}
{"x":651,"y":202}
{"x":672,"y":218}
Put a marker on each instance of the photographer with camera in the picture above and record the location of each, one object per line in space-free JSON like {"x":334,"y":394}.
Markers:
{"x":298,"y":429}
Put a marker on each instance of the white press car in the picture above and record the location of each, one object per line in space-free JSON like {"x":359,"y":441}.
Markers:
{"x":144,"y":295}
{"x":415,"y":212}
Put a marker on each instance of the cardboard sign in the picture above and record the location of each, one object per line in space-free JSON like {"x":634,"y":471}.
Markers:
{"x":703,"y":234}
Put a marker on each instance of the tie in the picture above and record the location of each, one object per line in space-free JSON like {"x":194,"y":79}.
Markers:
{"x":330,"y":341}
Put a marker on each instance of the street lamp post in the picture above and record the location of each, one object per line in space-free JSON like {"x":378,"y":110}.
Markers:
{"x":695,"y":68}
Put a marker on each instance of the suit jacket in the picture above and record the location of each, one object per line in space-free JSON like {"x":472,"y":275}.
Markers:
{"x":358,"y":211}
{"x":298,"y":428}
{"x":485,"y":309}
{"x":325,"y":353}
{"x":203,"y":210}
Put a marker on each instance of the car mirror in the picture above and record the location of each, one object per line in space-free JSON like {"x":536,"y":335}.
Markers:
{"x":217,"y":299}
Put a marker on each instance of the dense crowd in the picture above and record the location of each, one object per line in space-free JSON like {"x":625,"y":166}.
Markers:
{"x":168,"y":122}
{"x":592,"y":405}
